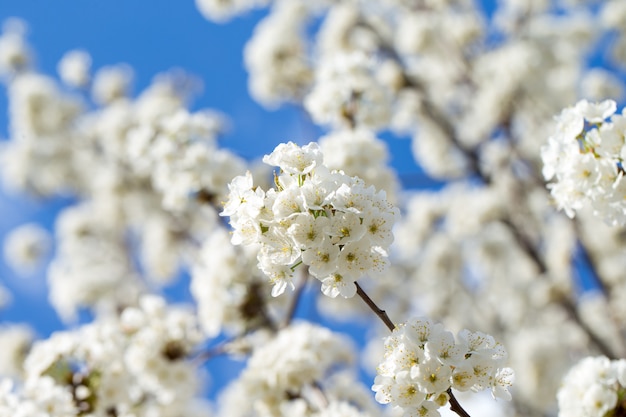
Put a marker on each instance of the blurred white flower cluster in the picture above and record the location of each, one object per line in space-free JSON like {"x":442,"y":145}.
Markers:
{"x":230,"y":291}
{"x":423,"y":361}
{"x":359,"y":153}
{"x":146,"y":173}
{"x":594,"y":387}
{"x":290,"y":367}
{"x":128,"y":366}
{"x":584,"y":157}
{"x":346,"y":93}
{"x":26,"y":247}
{"x":332,"y":223}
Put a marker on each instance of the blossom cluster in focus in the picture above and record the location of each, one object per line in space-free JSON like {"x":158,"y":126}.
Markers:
{"x":326,"y":220}
{"x":423,"y":361}
{"x":288,"y":372}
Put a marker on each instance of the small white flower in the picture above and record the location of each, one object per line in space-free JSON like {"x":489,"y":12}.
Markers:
{"x":434,"y":376}
{"x":406,"y":392}
{"x":308,"y":231}
{"x":26,"y":246}
{"x":279,"y":248}
{"x":280,"y":275}
{"x":294,"y":159}
{"x":74,"y":68}
{"x":503,"y":380}
{"x":244,"y":199}
{"x":596,"y":112}
{"x":316,"y":194}
{"x":288,"y":202}
{"x":356,"y":258}
{"x":570,"y":124}
{"x":322,"y":260}
{"x":345,"y":227}
{"x":354,"y":198}
{"x":378,"y":228}
{"x":338,"y":284}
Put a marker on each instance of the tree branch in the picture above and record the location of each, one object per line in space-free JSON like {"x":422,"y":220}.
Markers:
{"x":382,"y":314}
{"x":455,"y":406}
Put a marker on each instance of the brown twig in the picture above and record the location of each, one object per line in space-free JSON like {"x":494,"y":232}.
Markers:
{"x":212,"y":352}
{"x":574,"y":314}
{"x":455,"y":406}
{"x":382,"y":314}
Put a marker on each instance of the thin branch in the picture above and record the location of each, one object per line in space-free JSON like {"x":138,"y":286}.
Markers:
{"x":296,"y":297}
{"x":455,"y":406}
{"x":318,"y":391}
{"x":217,"y":350}
{"x":573,"y":312}
{"x":382,"y":314}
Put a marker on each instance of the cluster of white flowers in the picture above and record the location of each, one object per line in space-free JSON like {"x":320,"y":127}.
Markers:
{"x":91,"y":267}
{"x":155,"y":173}
{"x":346,"y":93}
{"x":132,"y":365}
{"x":38,"y":157}
{"x":276,"y":55}
{"x":324,"y":219}
{"x":26,"y":247}
{"x":475,"y":110}
{"x":594,"y":387}
{"x":289,"y":367}
{"x":228,"y":287}
{"x":584,"y":158}
{"x":359,"y":153}
{"x":222,"y":10}
{"x":15,"y":340}
{"x":37,"y":397}
{"x":183,"y":158}
{"x":423,"y":361}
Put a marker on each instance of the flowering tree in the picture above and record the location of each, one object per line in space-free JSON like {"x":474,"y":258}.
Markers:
{"x":488,"y":254}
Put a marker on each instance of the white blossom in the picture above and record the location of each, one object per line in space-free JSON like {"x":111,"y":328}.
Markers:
{"x":329,"y":221}
{"x":74,"y":68}
{"x":15,"y":54}
{"x":591,"y":388}
{"x":586,"y":162}
{"x":415,"y":374}
{"x":26,"y":247}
